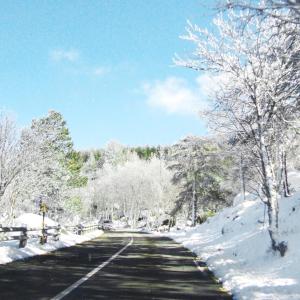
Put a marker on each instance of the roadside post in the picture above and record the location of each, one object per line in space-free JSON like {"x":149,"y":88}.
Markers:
{"x":23,"y":238}
{"x":43,"y":210}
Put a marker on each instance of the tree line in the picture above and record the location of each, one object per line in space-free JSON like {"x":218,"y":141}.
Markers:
{"x":140,"y":186}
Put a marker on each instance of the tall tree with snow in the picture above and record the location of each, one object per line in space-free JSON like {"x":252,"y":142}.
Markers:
{"x":256,"y":101}
{"x":58,"y":166}
{"x":199,"y":170}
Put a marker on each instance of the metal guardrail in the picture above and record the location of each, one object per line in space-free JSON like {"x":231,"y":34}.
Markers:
{"x":80,"y":229}
{"x":22,"y":233}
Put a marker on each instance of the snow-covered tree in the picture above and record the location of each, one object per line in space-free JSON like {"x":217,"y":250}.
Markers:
{"x":12,"y":160}
{"x":270,"y":8}
{"x":199,"y":169}
{"x":256,"y":101}
{"x":45,"y":166}
{"x":132,"y":190}
{"x":116,"y":153}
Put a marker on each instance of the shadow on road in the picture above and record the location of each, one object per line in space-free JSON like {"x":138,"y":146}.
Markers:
{"x":152,"y":268}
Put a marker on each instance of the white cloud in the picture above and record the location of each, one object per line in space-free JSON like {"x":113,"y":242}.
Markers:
{"x":61,"y":55}
{"x":100,"y":71}
{"x":175,"y":96}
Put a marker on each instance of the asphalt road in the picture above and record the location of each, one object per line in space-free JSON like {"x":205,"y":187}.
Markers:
{"x":148,"y":268}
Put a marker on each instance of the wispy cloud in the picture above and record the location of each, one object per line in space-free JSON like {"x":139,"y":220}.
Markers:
{"x":175,"y":96}
{"x":71,"y":55}
{"x":100,"y":71}
{"x":81,"y":67}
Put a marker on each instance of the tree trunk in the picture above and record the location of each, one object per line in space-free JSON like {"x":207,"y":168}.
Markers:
{"x":242,"y":178}
{"x":270,"y":187}
{"x":273,"y":210}
{"x":271,"y":192}
{"x":286,"y":187}
{"x":194,"y":200}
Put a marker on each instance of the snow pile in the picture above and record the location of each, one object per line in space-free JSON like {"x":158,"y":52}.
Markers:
{"x":119,"y":224}
{"x":294,"y":180}
{"x":9,"y":250}
{"x":236,"y":246}
{"x":33,"y":221}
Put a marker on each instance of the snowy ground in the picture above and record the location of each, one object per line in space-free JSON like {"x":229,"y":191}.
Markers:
{"x":9,"y":250}
{"x":236,"y":246}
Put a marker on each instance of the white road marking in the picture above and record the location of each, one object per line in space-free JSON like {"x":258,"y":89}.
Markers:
{"x":90,"y":274}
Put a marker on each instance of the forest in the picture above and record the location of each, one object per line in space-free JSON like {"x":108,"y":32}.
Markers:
{"x":139,"y":186}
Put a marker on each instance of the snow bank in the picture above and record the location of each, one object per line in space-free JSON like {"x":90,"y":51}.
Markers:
{"x":9,"y":250}
{"x":236,"y":246}
{"x":33,"y":221}
{"x":294,"y":180}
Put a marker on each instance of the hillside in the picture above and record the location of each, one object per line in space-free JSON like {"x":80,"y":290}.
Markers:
{"x":236,"y":246}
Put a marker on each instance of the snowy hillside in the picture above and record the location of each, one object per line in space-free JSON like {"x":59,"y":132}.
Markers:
{"x":236,"y":246}
{"x":9,"y":250}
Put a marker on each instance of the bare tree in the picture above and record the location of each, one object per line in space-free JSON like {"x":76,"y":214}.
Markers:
{"x":266,"y":8}
{"x":12,"y":154}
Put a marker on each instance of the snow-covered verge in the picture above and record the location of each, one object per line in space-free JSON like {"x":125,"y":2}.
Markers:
{"x":9,"y":250}
{"x":236,"y":246}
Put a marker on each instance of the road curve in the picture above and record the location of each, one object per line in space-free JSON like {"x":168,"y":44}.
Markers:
{"x":148,"y":267}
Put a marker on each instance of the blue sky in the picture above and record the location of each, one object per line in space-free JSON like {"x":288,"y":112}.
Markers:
{"x":105,"y":65}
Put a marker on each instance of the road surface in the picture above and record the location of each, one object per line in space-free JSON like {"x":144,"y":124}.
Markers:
{"x":118,"y":265}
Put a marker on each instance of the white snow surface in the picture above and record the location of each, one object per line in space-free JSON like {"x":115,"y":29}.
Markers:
{"x":241,"y":257}
{"x":9,"y":250}
{"x":33,"y":221}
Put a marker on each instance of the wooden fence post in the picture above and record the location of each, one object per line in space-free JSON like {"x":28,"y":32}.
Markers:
{"x":43,"y":239}
{"x":23,"y":238}
{"x":79,"y":229}
{"x":57,"y":233}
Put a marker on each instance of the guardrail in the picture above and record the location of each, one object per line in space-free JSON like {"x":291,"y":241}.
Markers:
{"x":22,"y":233}
{"x":80,"y":229}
